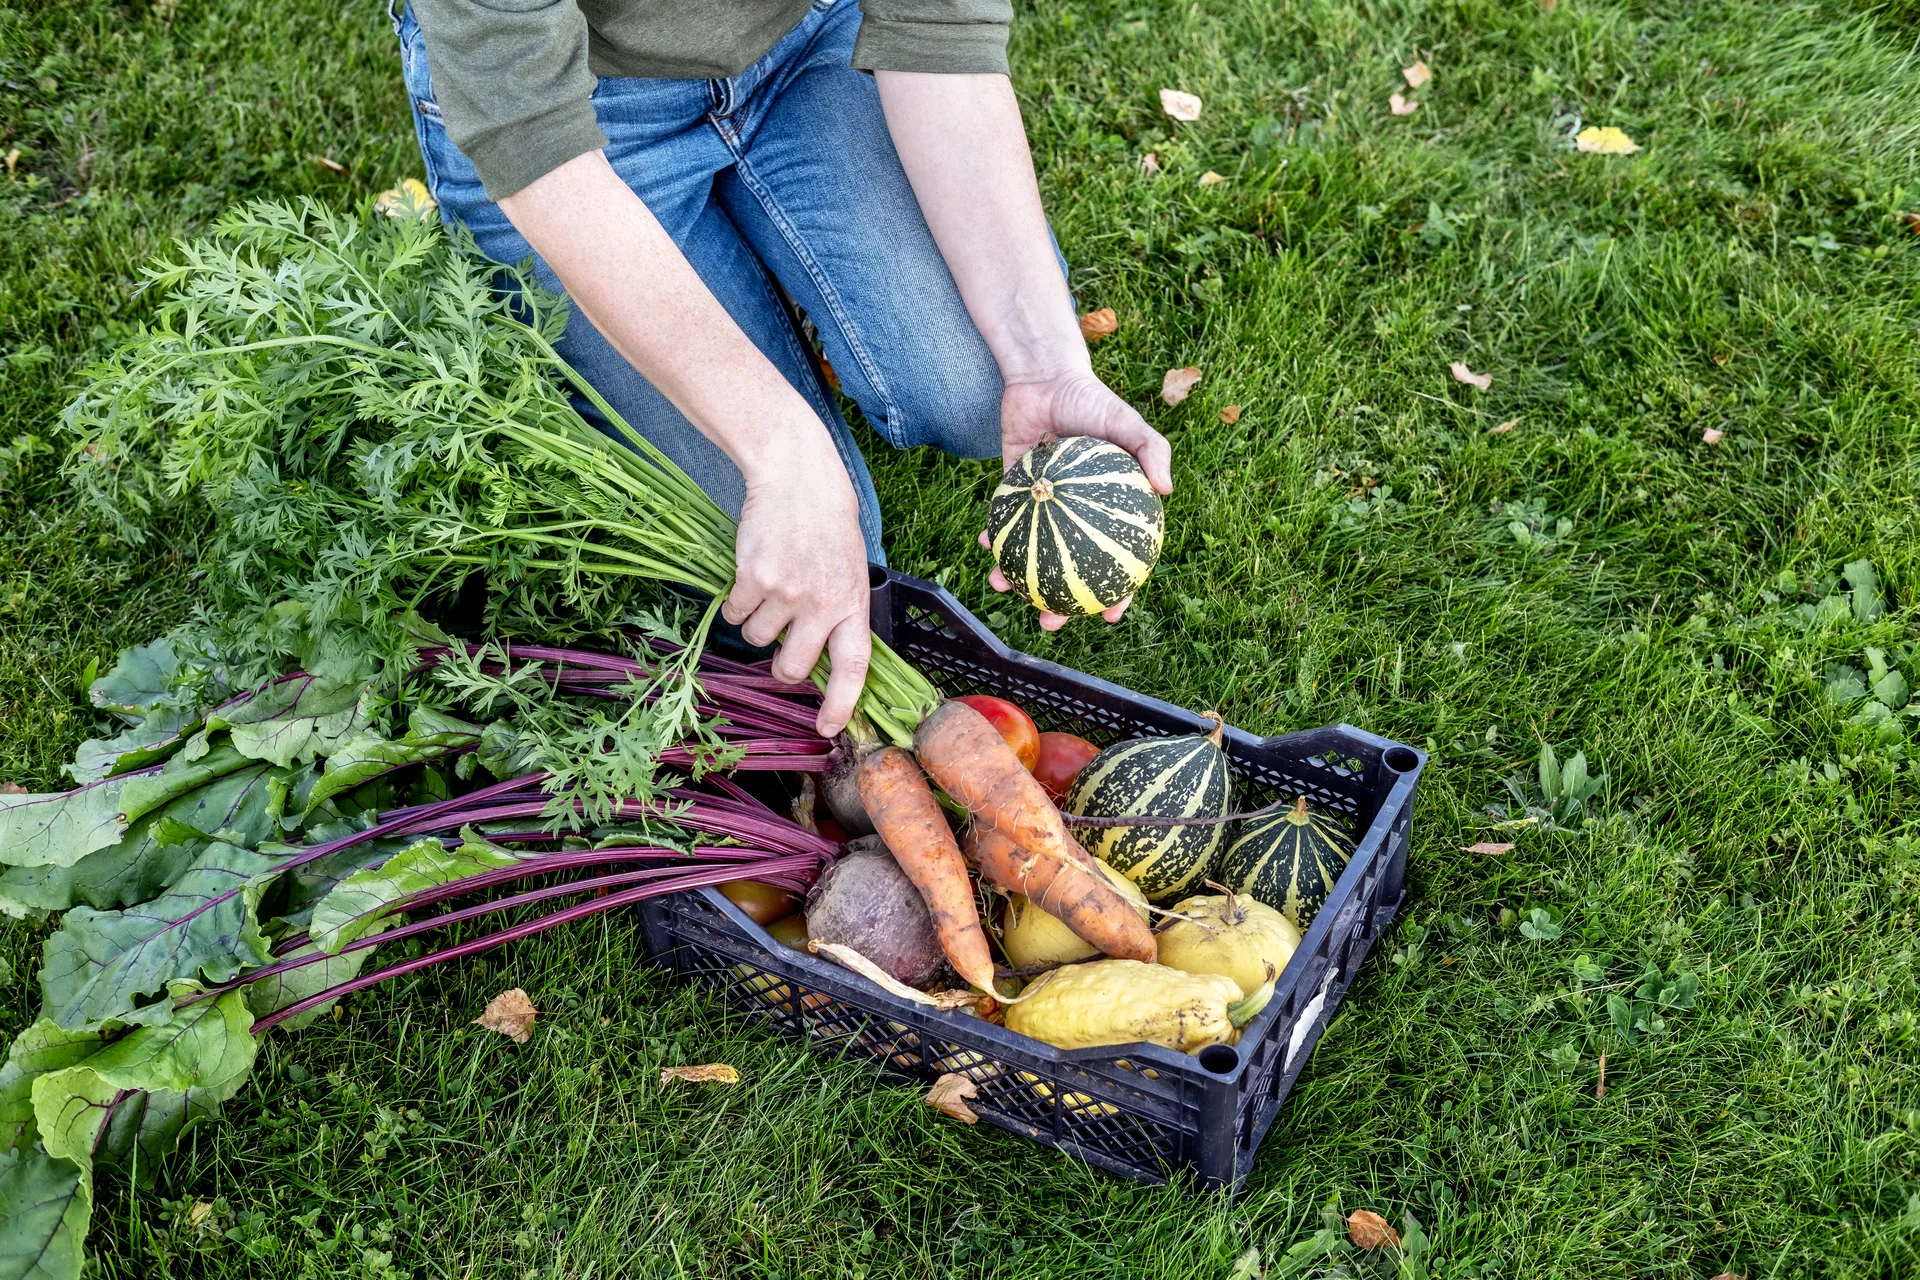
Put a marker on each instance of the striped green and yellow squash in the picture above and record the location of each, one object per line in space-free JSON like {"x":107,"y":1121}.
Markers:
{"x":1289,"y":861}
{"x":1183,"y":777}
{"x":1075,"y":526}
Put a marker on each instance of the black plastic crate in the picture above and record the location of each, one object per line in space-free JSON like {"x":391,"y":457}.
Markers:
{"x":1141,"y":1110}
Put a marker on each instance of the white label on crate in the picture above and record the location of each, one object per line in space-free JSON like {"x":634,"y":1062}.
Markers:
{"x":1303,"y":1026}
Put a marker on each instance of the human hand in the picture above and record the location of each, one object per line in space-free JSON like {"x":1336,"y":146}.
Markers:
{"x":1076,"y":404}
{"x":801,"y":567}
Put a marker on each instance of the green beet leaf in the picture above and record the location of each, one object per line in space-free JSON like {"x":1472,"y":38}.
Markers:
{"x":127,"y":1103}
{"x":100,"y":963}
{"x":142,"y":677}
{"x":294,"y":720}
{"x":144,"y":862}
{"x":430,"y":735}
{"x":41,"y":1048}
{"x":45,"y":1205}
{"x":146,"y":792}
{"x":272,"y":994}
{"x":60,"y":829}
{"x":354,"y":905}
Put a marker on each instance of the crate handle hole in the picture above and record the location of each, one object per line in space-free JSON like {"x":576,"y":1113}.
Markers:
{"x":876,"y":577}
{"x":1221,"y":1059}
{"x":1401,"y":760}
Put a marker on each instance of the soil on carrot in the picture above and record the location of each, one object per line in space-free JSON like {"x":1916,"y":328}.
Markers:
{"x":1675,"y":531}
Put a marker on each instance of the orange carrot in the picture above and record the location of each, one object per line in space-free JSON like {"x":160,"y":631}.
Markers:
{"x":973,"y":764}
{"x":909,"y":819}
{"x":1078,"y":898}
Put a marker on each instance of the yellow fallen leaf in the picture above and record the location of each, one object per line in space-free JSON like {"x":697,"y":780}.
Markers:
{"x":410,"y":197}
{"x":1096,"y":325}
{"x":328,"y":162}
{"x":1401,"y":106}
{"x":710,"y":1073}
{"x":1604,"y":142}
{"x":1463,"y":374}
{"x":1504,"y":427}
{"x":1486,"y":846}
{"x":1712,"y":435}
{"x":13,"y":158}
{"x":1181,"y":106}
{"x":1178,"y":384}
{"x":1369,"y":1231}
{"x":1417,"y":74}
{"x":511,"y":1014}
{"x":949,"y":1094}
{"x":1211,"y":179}
{"x":1728,"y":1275}
{"x":1230,"y":414}
{"x":198,"y":1214}
{"x":1150,"y":163}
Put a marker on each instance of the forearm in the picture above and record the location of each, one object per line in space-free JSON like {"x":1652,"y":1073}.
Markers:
{"x":964,"y":148}
{"x":625,"y":273}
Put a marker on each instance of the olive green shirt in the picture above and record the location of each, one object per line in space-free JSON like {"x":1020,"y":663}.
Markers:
{"x":514,"y":78}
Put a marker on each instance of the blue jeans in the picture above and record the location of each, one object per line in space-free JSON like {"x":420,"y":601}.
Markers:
{"x":784,"y":172}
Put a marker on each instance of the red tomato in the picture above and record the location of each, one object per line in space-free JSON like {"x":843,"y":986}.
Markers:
{"x":1062,"y":757}
{"x":1011,"y":723}
{"x":763,"y":903}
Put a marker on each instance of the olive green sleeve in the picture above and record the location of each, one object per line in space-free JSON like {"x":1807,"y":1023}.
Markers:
{"x":933,"y":35}
{"x":512,"y":84}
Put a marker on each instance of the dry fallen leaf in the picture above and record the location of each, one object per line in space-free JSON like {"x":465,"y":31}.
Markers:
{"x":1728,"y":1275}
{"x":1369,"y":1231}
{"x":1230,"y":414}
{"x":1548,"y":6}
{"x":410,"y":197}
{"x":1096,"y":325}
{"x":1604,"y":142}
{"x":1912,"y":219}
{"x":1486,"y":846}
{"x":1150,"y":163}
{"x":1600,"y":1087}
{"x":1178,"y":384}
{"x":1504,"y":427}
{"x":511,"y":1014}
{"x":13,"y":789}
{"x":1181,"y":106}
{"x":198,"y":1214}
{"x":1417,"y":74}
{"x":1401,"y":106}
{"x":710,"y":1073}
{"x":1463,"y":374}
{"x":1712,"y":435}
{"x":13,"y":158}
{"x":828,"y":376}
{"x":1211,"y":179}
{"x":326,"y":162}
{"x":949,"y":1094}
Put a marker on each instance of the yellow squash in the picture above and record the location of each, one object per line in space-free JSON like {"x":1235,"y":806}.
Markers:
{"x":1033,"y":938}
{"x":1234,"y":937}
{"x":1125,"y":1001}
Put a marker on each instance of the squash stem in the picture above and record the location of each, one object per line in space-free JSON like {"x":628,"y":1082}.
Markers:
{"x":1248,"y":1007}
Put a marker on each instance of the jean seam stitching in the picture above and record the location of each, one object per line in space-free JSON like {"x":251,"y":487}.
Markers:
{"x":896,"y":435}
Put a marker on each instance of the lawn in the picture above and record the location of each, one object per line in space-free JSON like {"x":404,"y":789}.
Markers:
{"x":1677,"y":532}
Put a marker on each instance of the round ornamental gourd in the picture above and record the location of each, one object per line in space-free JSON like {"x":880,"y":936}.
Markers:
{"x":1289,"y":861}
{"x":1184,"y":777}
{"x":1075,"y":526}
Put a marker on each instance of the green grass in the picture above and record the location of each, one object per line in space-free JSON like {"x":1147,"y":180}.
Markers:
{"x":1346,"y":552}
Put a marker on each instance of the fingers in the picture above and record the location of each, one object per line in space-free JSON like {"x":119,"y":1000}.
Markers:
{"x":1125,"y":427}
{"x":1118,"y":611}
{"x":800,"y":650}
{"x":766,"y":623}
{"x":998,"y":580}
{"x":1052,"y":621}
{"x":740,"y":603}
{"x":851,"y":649}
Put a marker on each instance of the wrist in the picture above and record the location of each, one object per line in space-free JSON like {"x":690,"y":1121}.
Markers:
{"x":1036,"y":335}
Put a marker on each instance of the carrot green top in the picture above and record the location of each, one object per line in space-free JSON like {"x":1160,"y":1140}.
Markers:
{"x":513,"y":78}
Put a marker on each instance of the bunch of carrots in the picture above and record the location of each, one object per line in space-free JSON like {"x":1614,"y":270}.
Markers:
{"x":1017,"y":841}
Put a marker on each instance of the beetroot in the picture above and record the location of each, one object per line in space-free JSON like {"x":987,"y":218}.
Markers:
{"x":842,"y":794}
{"x":865,"y":901}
